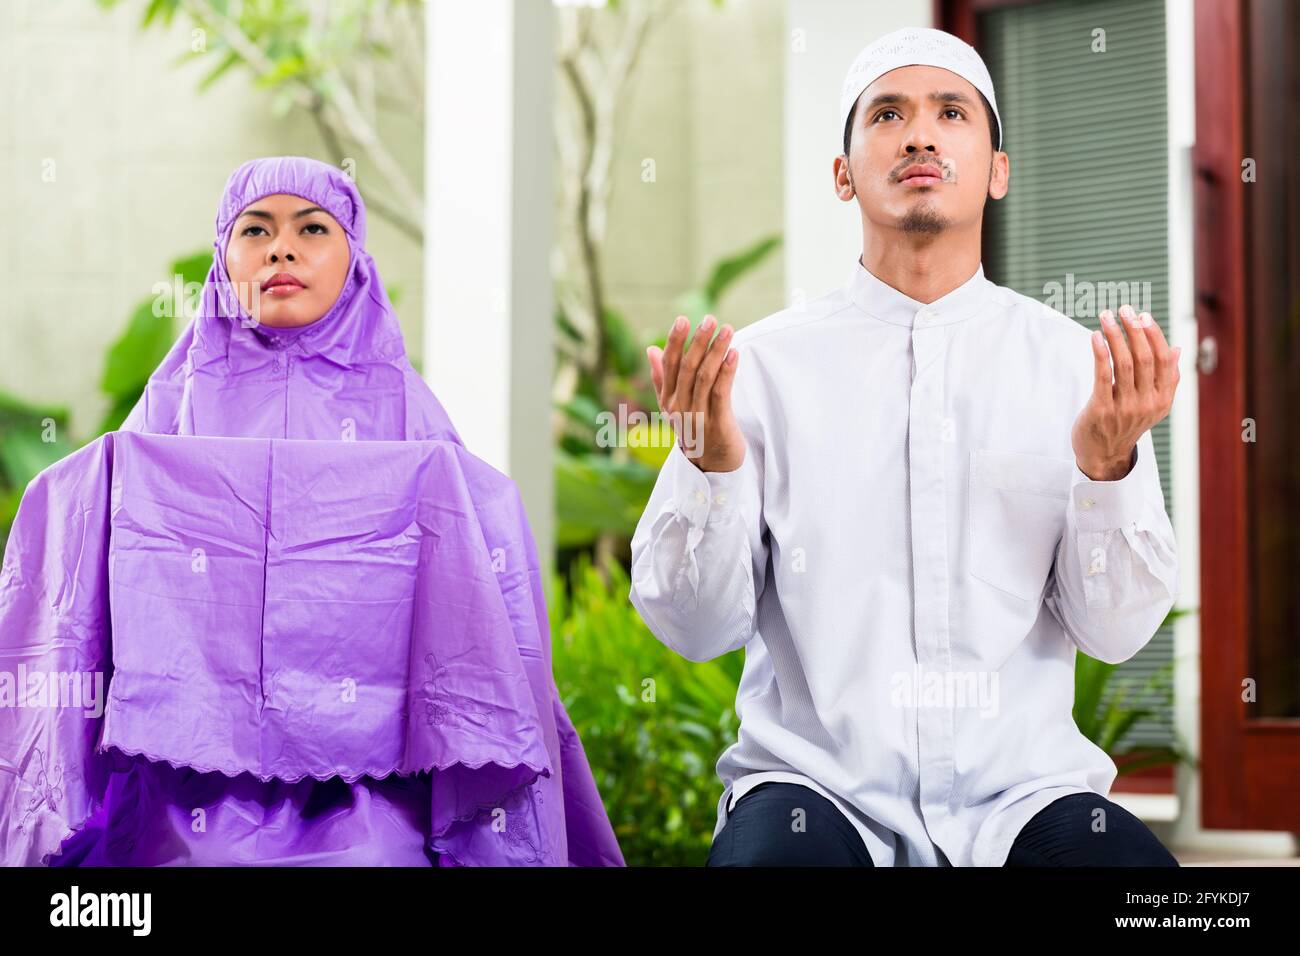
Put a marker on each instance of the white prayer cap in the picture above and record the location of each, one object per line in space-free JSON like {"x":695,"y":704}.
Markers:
{"x":916,"y":46}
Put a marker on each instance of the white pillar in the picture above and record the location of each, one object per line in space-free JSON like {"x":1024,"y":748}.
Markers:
{"x":488,"y":200}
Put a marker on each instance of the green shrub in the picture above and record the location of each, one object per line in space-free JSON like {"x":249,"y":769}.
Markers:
{"x":653,"y":723}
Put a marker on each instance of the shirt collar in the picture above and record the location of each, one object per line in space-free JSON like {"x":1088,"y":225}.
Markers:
{"x":882,"y":301}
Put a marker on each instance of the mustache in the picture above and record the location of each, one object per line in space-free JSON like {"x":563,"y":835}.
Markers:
{"x":944,"y":165}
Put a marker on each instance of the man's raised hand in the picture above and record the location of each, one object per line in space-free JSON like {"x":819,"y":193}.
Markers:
{"x":1124,"y":406}
{"x":694,"y":392}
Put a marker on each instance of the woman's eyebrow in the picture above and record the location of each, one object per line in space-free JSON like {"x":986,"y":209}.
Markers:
{"x":263,"y":214}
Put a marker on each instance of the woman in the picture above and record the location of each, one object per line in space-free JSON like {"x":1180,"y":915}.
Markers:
{"x":379,"y":549}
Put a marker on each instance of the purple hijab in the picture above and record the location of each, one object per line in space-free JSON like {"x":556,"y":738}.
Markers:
{"x":345,"y":373}
{"x":229,"y":635}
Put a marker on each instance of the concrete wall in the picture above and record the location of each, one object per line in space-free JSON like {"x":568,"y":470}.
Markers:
{"x":707,"y":106}
{"x":139,"y":159}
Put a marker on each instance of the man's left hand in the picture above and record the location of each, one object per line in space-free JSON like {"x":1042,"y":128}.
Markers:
{"x":1126,"y":404}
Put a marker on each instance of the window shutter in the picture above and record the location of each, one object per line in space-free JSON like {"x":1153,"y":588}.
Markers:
{"x":1086,"y":135}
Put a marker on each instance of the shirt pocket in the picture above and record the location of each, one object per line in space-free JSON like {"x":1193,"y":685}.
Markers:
{"x":1017,"y":517}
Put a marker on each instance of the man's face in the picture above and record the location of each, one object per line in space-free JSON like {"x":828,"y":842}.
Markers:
{"x":917,"y":120}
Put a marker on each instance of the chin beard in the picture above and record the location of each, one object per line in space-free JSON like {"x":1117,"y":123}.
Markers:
{"x":923,"y":218}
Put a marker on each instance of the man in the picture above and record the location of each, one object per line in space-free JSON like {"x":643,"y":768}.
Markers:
{"x":911,"y":501}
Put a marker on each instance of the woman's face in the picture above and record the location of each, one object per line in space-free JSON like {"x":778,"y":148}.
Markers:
{"x":288,"y":259}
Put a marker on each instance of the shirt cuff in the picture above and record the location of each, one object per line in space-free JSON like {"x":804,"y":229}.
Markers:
{"x":1110,"y":505}
{"x":697,"y":494}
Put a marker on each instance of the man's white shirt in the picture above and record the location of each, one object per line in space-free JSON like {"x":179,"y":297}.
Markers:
{"x":910,"y":558}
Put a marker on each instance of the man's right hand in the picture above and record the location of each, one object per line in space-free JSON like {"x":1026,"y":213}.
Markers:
{"x":694,"y":391}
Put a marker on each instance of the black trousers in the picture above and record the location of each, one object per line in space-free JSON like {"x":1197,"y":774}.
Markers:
{"x":787,"y":824}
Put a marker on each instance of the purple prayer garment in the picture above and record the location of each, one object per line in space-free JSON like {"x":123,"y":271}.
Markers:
{"x":312,"y":650}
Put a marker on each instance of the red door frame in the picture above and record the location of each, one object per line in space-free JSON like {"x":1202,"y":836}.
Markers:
{"x":1249,"y":766}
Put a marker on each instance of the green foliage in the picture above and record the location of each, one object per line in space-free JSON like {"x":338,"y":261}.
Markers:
{"x":133,"y":356}
{"x":1104,"y":717}
{"x":698,"y":303}
{"x":626,"y":353}
{"x":601,"y":489}
{"x":289,"y":44}
{"x":594,"y":493}
{"x":653,"y":724}
{"x":31,"y":439}
{"x":149,"y":335}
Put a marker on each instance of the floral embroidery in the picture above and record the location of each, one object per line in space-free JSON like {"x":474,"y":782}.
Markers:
{"x":442,"y":706}
{"x":49,"y":789}
{"x":522,"y":823}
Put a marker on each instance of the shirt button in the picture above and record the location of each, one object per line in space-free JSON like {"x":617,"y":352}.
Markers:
{"x":699,"y":496}
{"x":1086,"y":503}
{"x":721,"y":499}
